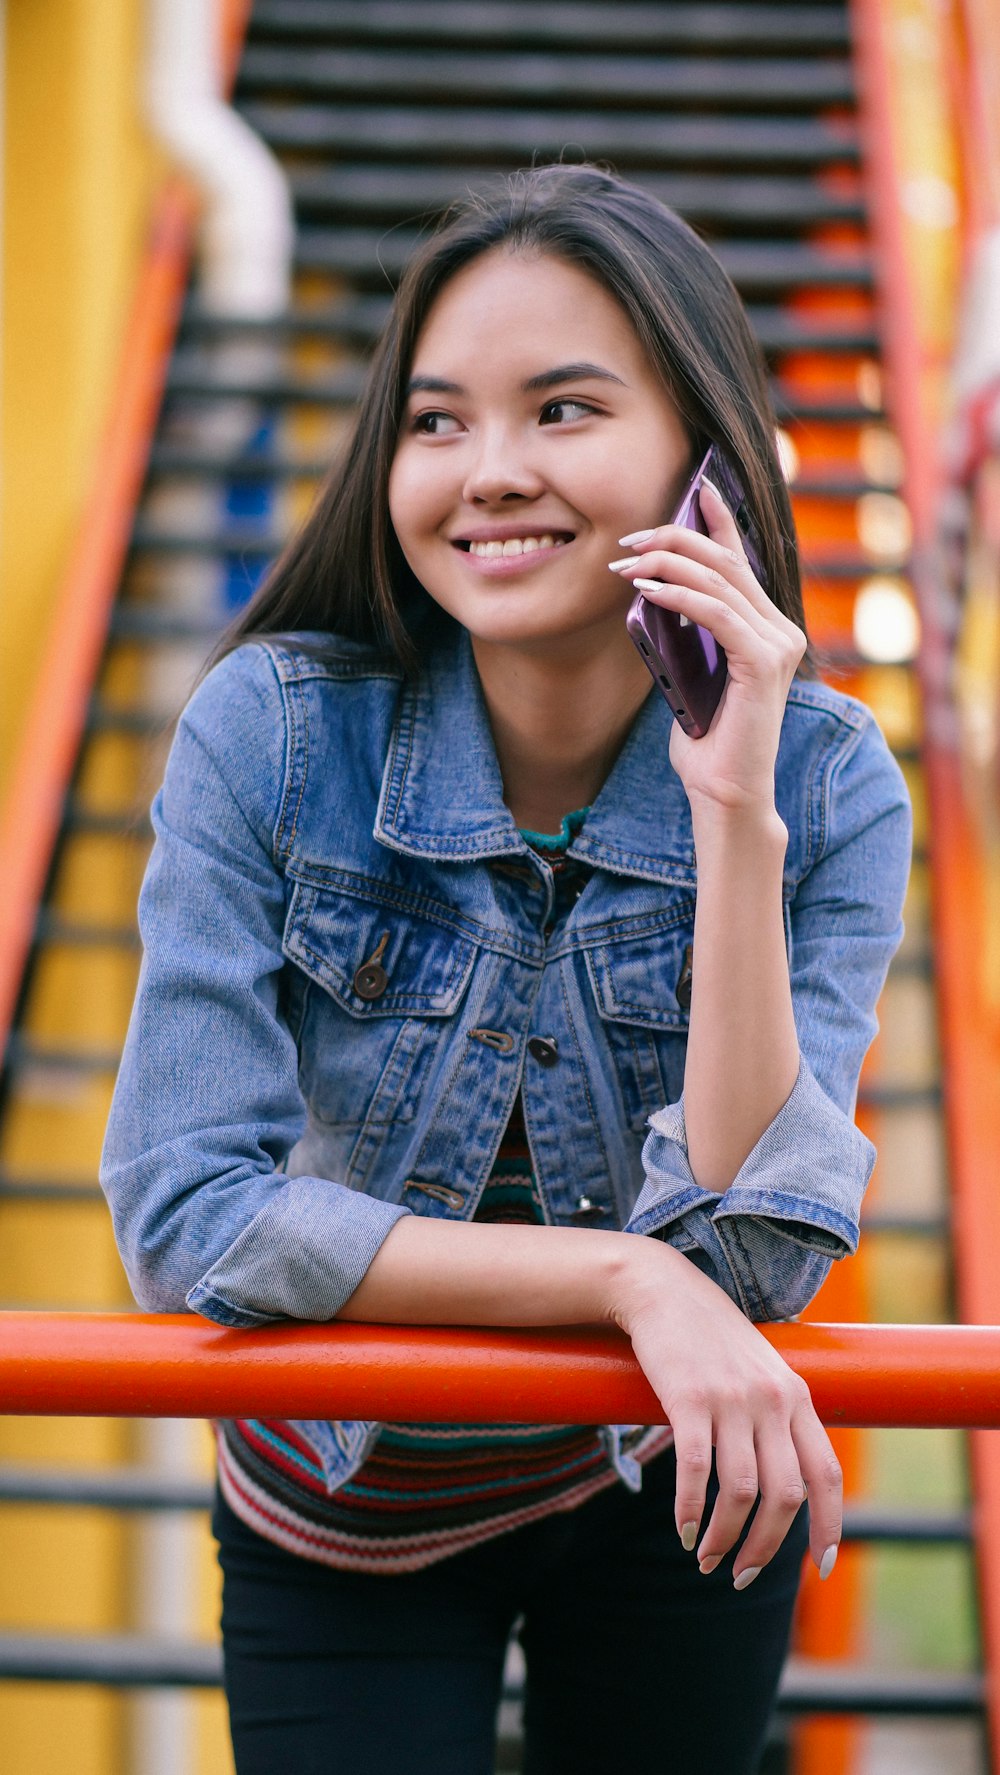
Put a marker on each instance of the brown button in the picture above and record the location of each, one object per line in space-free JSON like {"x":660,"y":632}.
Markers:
{"x":586,"y":1209}
{"x":371,"y":980}
{"x":544,"y":1049}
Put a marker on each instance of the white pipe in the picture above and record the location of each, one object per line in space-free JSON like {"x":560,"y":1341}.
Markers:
{"x":163,"y":1721}
{"x":247,"y":229}
{"x":977,"y":363}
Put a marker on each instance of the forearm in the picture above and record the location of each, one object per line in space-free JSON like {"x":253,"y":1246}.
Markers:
{"x":743,"y":1053}
{"x":448,"y":1272}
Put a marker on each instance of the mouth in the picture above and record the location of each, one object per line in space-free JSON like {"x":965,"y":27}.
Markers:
{"x":507,"y":548}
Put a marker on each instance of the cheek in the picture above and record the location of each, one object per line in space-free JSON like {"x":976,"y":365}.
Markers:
{"x":418,"y":495}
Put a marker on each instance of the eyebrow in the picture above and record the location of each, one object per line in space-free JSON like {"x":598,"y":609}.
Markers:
{"x":547,"y":379}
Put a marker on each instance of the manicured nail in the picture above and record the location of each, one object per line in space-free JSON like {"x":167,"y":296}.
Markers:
{"x":709,"y":1563}
{"x":713,"y":489}
{"x":626,"y":561}
{"x":637,"y":536}
{"x":689,"y":1535}
{"x":828,"y":1562}
{"x":746,"y":1577}
{"x":648,"y":585}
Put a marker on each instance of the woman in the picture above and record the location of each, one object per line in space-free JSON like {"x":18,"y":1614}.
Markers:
{"x":433,"y":1021}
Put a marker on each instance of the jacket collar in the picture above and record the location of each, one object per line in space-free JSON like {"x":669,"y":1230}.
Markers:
{"x":442,"y":793}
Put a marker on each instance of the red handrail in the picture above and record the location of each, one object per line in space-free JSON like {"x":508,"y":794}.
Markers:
{"x":174,"y":1365}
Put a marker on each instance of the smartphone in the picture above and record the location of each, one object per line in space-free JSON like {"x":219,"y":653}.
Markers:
{"x":686,"y":662}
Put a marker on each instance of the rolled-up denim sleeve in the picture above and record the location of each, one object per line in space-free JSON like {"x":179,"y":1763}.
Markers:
{"x":207,"y":1104}
{"x":794,"y":1205}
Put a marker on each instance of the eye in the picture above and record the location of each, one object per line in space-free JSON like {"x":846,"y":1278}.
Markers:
{"x":564,"y":412}
{"x":435,"y":425}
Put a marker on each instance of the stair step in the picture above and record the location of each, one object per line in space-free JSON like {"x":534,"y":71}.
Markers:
{"x":149,"y":623}
{"x":809,"y":1686}
{"x":372,"y":255}
{"x":900,"y":1097}
{"x":121,"y":1488}
{"x":911,"y":1226}
{"x":138,"y":1488}
{"x":751,"y":28}
{"x":358,"y":320}
{"x":392,"y":194}
{"x":449,"y":76}
{"x":49,"y":1190}
{"x":523,"y":137}
{"x":51,"y":928}
{"x":24,"y":1054}
{"x":139,"y":723}
{"x":130,"y":824}
{"x":125,"y":1661}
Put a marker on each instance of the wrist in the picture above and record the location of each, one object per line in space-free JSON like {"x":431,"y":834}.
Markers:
{"x":644,"y":1270}
{"x":756,"y":823}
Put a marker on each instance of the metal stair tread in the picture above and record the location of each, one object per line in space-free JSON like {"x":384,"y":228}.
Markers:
{"x":394,"y":193}
{"x":375,"y":254}
{"x":134,"y":1661}
{"x":51,"y":928}
{"x":139,"y":1488}
{"x":24,"y":1053}
{"x":568,"y":77}
{"x":455,"y":132}
{"x":804,"y":27}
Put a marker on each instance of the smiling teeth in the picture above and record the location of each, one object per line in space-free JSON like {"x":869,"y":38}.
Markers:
{"x":515,"y":545}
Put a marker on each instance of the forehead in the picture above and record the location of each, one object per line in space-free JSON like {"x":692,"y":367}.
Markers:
{"x":519,"y":306}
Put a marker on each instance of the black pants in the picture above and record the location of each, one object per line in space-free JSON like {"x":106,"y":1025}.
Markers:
{"x":635,"y":1662}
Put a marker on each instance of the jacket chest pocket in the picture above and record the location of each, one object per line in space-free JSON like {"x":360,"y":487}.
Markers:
{"x":642,"y":989}
{"x":381,"y":984}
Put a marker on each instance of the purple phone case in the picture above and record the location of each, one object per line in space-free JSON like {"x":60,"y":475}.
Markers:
{"x":686,"y":662}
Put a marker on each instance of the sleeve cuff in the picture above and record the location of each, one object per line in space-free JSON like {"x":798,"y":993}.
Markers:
{"x":301,"y":1257}
{"x":792,"y":1207}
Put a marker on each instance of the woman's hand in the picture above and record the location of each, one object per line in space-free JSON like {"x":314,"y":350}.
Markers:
{"x":709,"y":580}
{"x":722,"y":1385}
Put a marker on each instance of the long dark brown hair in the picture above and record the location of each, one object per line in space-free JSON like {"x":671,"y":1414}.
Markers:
{"x":344,"y":572}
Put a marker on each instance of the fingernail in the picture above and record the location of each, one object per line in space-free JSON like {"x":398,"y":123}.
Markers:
{"x":689,"y":1535}
{"x":746,"y":1577}
{"x":709,"y":1563}
{"x":648,"y":585}
{"x":828,"y":1562}
{"x":637,"y":536}
{"x":713,"y":488}
{"x":626,"y":561}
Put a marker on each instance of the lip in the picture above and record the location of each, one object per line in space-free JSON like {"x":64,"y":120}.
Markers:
{"x":508,"y":566}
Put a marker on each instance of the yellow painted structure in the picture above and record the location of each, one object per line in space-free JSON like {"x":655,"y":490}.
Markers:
{"x":79,"y":178}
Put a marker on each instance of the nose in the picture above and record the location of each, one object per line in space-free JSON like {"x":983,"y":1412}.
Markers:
{"x":500,"y":469}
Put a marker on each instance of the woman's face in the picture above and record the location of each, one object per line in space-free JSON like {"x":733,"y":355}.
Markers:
{"x":534,"y":436}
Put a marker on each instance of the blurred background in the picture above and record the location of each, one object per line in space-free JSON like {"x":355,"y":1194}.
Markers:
{"x":205,"y":205}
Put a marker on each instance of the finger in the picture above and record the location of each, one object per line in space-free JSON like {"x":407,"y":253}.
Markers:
{"x":674,"y":568}
{"x":742,"y":640}
{"x":693,"y":1457}
{"x":736,"y":1467}
{"x":824,"y":1481}
{"x":782,"y":1495}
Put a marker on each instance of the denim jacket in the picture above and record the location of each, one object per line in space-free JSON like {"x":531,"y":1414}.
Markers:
{"x":347,"y":978}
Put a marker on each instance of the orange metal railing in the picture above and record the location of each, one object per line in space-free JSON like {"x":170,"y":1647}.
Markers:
{"x":174,"y":1365}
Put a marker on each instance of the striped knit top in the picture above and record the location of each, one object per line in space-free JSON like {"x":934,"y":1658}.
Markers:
{"x":428,"y":1490}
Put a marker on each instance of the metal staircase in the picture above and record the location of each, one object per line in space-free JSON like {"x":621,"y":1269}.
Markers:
{"x":743,"y":118}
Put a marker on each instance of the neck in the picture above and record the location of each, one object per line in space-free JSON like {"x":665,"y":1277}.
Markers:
{"x":558,"y":725}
